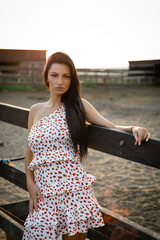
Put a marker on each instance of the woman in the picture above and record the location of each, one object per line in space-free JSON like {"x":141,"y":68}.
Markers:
{"x":61,"y":196}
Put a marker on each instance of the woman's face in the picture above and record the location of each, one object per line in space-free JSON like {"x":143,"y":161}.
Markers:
{"x":59,"y":78}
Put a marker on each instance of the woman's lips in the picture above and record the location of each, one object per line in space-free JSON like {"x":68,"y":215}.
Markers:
{"x":59,"y":88}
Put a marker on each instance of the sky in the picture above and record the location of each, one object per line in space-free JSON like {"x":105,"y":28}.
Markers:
{"x":94,"y":33}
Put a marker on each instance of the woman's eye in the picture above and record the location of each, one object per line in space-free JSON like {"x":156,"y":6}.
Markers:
{"x":53,"y":75}
{"x":67,"y":76}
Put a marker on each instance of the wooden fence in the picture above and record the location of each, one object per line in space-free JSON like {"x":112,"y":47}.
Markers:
{"x":115,"y":76}
{"x":116,"y":227}
{"x":13,"y":75}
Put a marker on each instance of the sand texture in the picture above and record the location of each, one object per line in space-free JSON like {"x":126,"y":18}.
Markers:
{"x":125,"y":187}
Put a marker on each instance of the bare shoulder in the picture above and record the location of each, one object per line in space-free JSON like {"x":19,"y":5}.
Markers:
{"x":34,"y":110}
{"x":87,"y":105}
{"x":85,"y":102}
{"x":35,"y":107}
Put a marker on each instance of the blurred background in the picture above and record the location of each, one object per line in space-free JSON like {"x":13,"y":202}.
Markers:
{"x":115,"y":47}
{"x":96,"y":34}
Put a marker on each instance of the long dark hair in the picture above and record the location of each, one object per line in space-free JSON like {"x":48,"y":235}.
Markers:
{"x":75,"y":114}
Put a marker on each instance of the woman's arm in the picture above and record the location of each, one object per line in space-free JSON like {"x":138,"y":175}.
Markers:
{"x":28,"y":152}
{"x":32,"y":188}
{"x":93,"y":117}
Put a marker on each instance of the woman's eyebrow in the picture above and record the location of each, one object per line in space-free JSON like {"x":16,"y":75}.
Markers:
{"x":63,"y":73}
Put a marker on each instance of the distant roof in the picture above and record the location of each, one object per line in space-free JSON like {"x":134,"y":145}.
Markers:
{"x":18,"y":55}
{"x":146,"y":61}
{"x":8,"y":49}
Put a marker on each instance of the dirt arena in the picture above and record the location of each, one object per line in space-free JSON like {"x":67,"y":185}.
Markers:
{"x":127,"y":188}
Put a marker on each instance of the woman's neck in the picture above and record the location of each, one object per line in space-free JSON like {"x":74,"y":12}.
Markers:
{"x":54,"y":101}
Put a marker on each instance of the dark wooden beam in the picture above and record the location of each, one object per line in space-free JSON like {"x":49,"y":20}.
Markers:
{"x":15,"y":115}
{"x":13,"y":229}
{"x":118,"y":227}
{"x":14,"y":175}
{"x":96,"y":235}
{"x":121,"y":144}
{"x":19,"y":209}
{"x":117,"y":143}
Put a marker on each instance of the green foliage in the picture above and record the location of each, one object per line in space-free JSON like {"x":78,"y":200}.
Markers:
{"x":88,"y":83}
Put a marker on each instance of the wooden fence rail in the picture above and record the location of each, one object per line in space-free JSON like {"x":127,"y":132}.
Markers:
{"x":12,"y":75}
{"x":115,"y":76}
{"x":116,"y":227}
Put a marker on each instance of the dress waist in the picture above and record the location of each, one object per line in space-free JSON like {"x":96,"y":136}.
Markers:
{"x":54,"y":156}
{"x":61,"y":177}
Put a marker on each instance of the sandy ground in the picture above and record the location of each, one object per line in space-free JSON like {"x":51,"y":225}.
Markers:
{"x":128,"y":188}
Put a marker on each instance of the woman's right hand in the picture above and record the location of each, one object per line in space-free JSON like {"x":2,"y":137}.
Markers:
{"x":34,"y":192}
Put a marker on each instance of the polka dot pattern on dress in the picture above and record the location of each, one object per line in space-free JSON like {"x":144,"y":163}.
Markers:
{"x":69,"y":205}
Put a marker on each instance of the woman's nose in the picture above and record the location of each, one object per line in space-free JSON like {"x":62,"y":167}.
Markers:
{"x":60,"y":81}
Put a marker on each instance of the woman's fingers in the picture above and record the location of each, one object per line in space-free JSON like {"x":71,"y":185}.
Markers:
{"x":135,"y":133}
{"x":145,"y":134}
{"x":148,"y":136}
{"x":141,"y":134}
{"x":35,"y":204}
{"x":40,"y":194}
{"x":33,"y":200}
{"x":31,"y":206}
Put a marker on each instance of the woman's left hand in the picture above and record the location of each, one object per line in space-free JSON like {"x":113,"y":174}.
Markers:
{"x":140,"y":134}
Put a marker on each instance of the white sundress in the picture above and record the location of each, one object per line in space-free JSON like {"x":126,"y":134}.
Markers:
{"x":69,"y":205}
